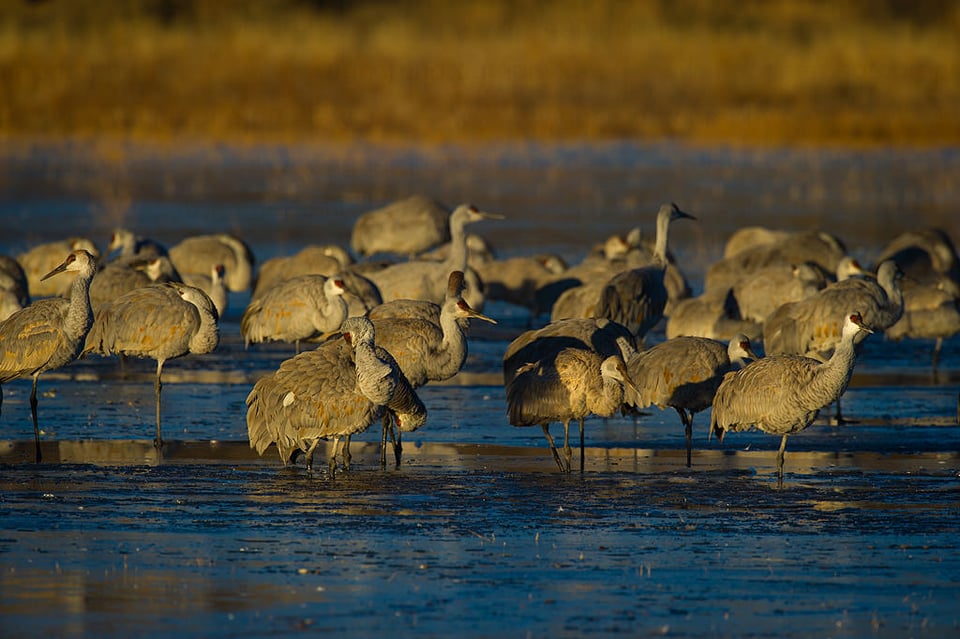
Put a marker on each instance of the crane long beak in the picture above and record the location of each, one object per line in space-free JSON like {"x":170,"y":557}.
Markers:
{"x":469,"y":312}
{"x":59,"y":269}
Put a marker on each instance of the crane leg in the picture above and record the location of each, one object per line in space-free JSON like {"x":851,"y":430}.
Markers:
{"x":687,"y":419}
{"x":33,"y":413}
{"x":383,"y":443}
{"x":567,"y":452}
{"x":582,"y":450}
{"x":397,"y":446}
{"x":332,"y":459}
{"x":308,"y":458}
{"x":553,"y":447}
{"x":157,"y":385}
{"x":346,"y":453}
{"x":783,"y":447}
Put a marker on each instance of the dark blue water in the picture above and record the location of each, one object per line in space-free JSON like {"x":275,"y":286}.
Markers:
{"x":476,"y":534}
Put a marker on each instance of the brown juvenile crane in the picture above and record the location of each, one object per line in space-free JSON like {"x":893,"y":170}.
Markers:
{"x":782,"y":394}
{"x":49,"y":333}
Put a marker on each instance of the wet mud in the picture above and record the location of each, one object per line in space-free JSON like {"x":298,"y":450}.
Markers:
{"x":477,"y":533}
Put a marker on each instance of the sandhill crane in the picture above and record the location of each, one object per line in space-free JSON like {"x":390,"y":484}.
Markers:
{"x":571,"y":384}
{"x":429,"y":350}
{"x":125,"y":274}
{"x":930,"y":311}
{"x":322,"y":259}
{"x":782,"y":394}
{"x":213,"y":284}
{"x":201,"y":253}
{"x":637,"y":298}
{"x":42,"y":258}
{"x":762,"y":291}
{"x":815,"y":247}
{"x":684,"y":373}
{"x":334,"y":391}
{"x":748,"y":237}
{"x":49,"y":333}
{"x":604,"y":337}
{"x":923,"y":255}
{"x":517,"y":279}
{"x":300,"y":308}
{"x":405,"y":227}
{"x":427,"y":280}
{"x":132,"y":245}
{"x":159,"y":321}
{"x":713,"y":314}
{"x":810,"y":327}
{"x":14,"y":288}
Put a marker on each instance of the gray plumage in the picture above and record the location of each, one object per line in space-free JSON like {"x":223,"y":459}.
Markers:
{"x":301,"y":308}
{"x":125,"y":274}
{"x":333,"y":392}
{"x":603,"y":336}
{"x":760,"y":292}
{"x":711,"y":315}
{"x":160,"y":322}
{"x":324,"y":259}
{"x":14,"y":287}
{"x":637,"y":298}
{"x":405,"y":227}
{"x":132,"y":245}
{"x":427,"y":280}
{"x":199,"y":254}
{"x":213,"y":284}
{"x":813,"y":327}
{"x":930,"y":311}
{"x":49,"y":333}
{"x":427,"y":350}
{"x":782,"y":394}
{"x":572,"y":383}
{"x":684,"y":373}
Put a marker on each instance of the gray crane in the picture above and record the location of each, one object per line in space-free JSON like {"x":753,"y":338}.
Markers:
{"x":406,"y":227}
{"x":683,"y":373}
{"x":14,"y":287}
{"x":132,"y":245}
{"x":782,"y":394}
{"x":160,"y":322}
{"x":49,"y":333}
{"x":42,"y":258}
{"x":322,"y":259}
{"x":603,"y":336}
{"x":931,"y":310}
{"x":213,"y":284}
{"x":811,"y":327}
{"x":427,"y":350}
{"x":637,"y":297}
{"x":332,"y":392}
{"x":125,"y":274}
{"x":572,"y":383}
{"x":201,"y":253}
{"x":427,"y":280}
{"x":301,"y":308}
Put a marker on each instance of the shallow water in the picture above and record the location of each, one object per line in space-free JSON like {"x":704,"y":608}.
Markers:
{"x":477,"y":533}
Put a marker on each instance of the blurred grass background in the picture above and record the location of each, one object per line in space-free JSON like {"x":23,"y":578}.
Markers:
{"x":817,"y":72}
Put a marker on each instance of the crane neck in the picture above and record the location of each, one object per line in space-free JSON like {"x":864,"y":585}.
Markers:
{"x":833,"y":376}
{"x":80,"y":314}
{"x":660,"y":247}
{"x":207,"y":336}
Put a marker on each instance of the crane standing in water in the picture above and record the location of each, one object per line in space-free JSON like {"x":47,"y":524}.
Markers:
{"x":332,"y":392}
{"x":49,"y":333}
{"x":159,"y":321}
{"x":782,"y":394}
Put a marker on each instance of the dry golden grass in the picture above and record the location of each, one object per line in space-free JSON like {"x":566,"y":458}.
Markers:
{"x":757,"y":72}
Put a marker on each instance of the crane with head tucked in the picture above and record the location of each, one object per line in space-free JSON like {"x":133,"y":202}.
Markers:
{"x":683,"y":373}
{"x":301,"y":308}
{"x":332,"y":392}
{"x":160,"y":322}
{"x":49,"y":333}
